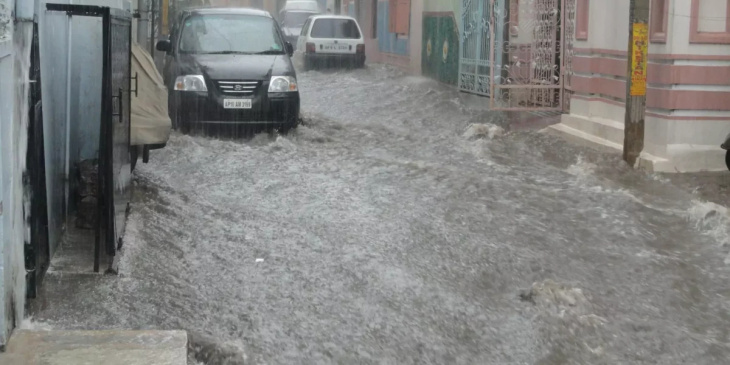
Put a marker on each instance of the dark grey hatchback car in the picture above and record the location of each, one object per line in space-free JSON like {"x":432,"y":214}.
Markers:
{"x":229,"y":69}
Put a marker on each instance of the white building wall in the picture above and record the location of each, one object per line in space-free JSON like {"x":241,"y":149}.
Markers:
{"x":676,"y":139}
{"x":6,"y":115}
{"x":15,"y":40}
{"x":607,"y":26}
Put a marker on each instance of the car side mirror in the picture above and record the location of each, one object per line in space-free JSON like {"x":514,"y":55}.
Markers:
{"x":164,"y":46}
{"x":289,"y":49}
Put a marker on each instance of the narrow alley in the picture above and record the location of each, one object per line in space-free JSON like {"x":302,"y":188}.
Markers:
{"x":403,"y":224}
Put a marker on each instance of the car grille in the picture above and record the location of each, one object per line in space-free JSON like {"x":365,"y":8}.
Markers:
{"x":239,"y":88}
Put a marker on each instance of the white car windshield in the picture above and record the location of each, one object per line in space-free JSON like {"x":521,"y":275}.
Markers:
{"x":335,"y":28}
{"x":230,"y":33}
{"x":295,"y":19}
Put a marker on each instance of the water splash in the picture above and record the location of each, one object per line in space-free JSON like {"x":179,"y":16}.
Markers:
{"x":712,"y":220}
{"x":5,"y":25}
{"x":29,"y":323}
{"x":582,"y":168}
{"x":480,"y":131}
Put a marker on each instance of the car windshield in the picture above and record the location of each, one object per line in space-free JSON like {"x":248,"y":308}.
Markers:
{"x":295,"y":19}
{"x":335,"y":28}
{"x":302,"y":5}
{"x":230,"y":33}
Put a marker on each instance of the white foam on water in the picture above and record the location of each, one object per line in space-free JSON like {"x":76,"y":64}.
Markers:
{"x":4,"y":22}
{"x":712,"y":220}
{"x":29,"y":323}
{"x":582,"y":168}
{"x":132,"y":246}
{"x":481,"y":131}
{"x":283,"y":144}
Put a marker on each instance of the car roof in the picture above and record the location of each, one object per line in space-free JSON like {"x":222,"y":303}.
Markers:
{"x":237,"y":11}
{"x":333,"y":17}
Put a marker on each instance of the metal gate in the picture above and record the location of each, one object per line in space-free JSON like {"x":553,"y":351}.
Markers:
{"x":37,"y":251}
{"x":518,"y":52}
{"x":115,"y":171}
{"x":114,"y":167}
{"x":568,"y":17}
{"x":479,"y":28}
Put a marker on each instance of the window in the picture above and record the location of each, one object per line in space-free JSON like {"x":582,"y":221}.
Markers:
{"x":659,"y":18}
{"x":581,"y":22}
{"x":399,"y":15}
{"x":335,"y":28}
{"x":710,"y":22}
{"x":305,"y":27}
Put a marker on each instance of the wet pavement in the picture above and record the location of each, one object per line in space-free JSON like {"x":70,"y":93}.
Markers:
{"x":404,"y":223}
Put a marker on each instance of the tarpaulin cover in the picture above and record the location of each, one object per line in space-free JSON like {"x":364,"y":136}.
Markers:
{"x":150,"y":122}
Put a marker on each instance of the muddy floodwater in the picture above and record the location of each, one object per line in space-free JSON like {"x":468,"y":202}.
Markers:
{"x":404,"y":223}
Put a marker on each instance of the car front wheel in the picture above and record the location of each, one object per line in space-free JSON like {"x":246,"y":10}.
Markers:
{"x":308,"y":64}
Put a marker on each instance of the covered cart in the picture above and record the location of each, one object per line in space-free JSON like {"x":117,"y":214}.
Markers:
{"x":150,"y":122}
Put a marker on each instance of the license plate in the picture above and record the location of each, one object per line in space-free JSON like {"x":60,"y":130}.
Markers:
{"x":336,"y":47}
{"x":237,"y":103}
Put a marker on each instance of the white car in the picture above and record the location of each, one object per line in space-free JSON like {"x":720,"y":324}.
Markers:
{"x":309,"y":6}
{"x":331,"y":40}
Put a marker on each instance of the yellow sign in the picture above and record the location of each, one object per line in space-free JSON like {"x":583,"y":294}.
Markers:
{"x":639,"y":52}
{"x":165,"y":17}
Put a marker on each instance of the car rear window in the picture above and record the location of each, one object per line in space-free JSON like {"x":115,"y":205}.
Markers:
{"x":335,"y":28}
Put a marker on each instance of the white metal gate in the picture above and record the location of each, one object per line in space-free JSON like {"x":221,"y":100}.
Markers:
{"x":518,"y":52}
{"x":477,"y":32}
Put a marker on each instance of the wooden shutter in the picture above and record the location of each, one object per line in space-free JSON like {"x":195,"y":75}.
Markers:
{"x":403,"y":14}
{"x":392,"y":15}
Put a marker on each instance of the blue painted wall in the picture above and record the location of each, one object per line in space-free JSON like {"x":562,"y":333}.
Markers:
{"x":389,"y":42}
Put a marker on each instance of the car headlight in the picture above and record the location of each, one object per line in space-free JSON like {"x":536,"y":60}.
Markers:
{"x":190,"y":83}
{"x":283,"y":84}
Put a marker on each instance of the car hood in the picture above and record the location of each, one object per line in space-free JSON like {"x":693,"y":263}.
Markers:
{"x":236,"y":66}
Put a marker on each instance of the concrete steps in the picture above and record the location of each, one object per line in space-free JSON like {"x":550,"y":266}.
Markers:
{"x":604,"y":135}
{"x":582,"y":138}
{"x":96,"y":347}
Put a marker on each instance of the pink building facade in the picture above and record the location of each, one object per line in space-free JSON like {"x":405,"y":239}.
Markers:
{"x":688,"y":81}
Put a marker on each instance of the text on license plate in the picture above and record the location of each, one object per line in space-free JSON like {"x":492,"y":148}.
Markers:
{"x":237,"y":103}
{"x":336,"y":47}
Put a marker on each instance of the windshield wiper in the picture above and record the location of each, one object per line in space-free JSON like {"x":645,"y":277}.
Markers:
{"x":271,"y":51}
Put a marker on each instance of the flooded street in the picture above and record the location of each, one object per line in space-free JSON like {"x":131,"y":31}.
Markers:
{"x":404,"y":223}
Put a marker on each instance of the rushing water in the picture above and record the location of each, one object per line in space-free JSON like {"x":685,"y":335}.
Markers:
{"x":404,"y":223}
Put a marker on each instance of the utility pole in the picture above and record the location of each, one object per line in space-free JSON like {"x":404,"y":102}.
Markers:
{"x":636,"y":80}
